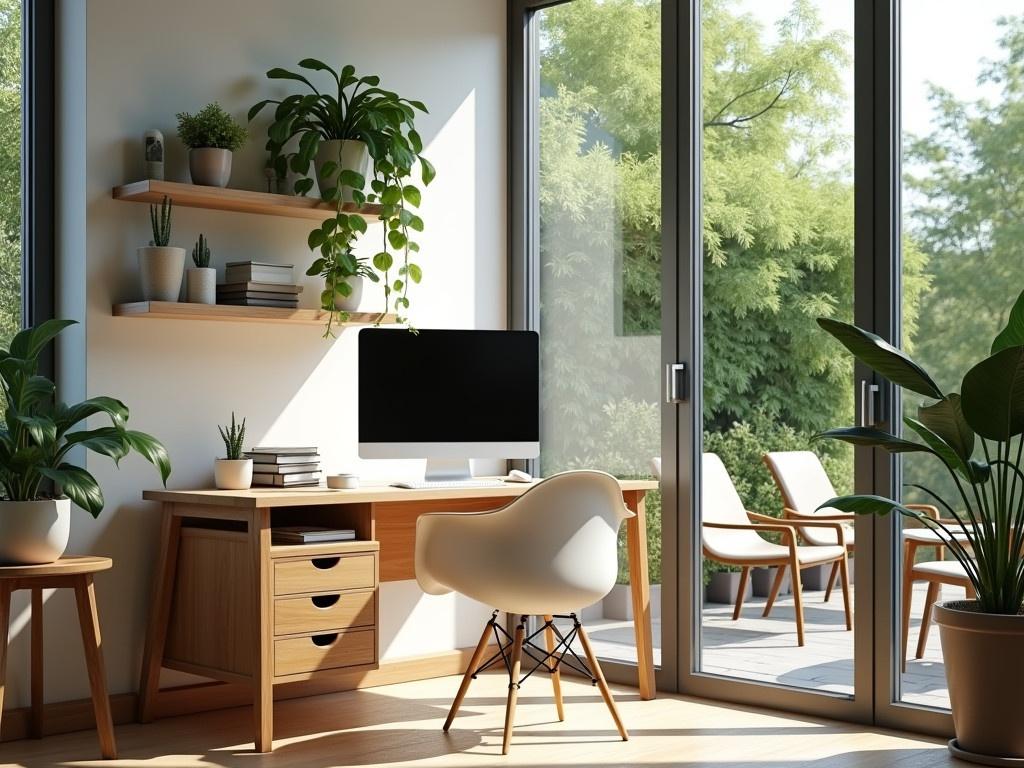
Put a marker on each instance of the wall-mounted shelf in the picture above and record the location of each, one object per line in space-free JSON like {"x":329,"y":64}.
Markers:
{"x":241,"y":200}
{"x":170,"y":310}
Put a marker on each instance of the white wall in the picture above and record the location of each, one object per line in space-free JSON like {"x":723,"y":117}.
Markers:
{"x":146,"y":60}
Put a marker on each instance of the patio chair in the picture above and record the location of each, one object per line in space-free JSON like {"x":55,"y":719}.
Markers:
{"x":936,"y":573}
{"x":730,"y":535}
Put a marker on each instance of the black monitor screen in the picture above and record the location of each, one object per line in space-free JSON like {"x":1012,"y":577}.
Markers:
{"x":448,"y":386}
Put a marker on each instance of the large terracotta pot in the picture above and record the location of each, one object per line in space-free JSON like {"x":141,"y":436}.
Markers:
{"x":985,"y":674}
{"x":34,"y":532}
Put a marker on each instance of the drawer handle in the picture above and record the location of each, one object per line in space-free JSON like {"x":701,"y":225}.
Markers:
{"x":325,"y":563}
{"x":325,"y":601}
{"x":323,"y":641}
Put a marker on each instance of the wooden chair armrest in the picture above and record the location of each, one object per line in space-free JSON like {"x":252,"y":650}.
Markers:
{"x":841,"y":517}
{"x":804,"y":522}
{"x":929,"y":509}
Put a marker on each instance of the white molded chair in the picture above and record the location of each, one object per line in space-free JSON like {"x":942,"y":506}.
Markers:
{"x":549,"y":553}
{"x":730,"y":535}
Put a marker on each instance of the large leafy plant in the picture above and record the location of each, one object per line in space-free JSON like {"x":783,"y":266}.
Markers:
{"x":354,"y":108}
{"x":40,"y":432}
{"x":977,"y":435}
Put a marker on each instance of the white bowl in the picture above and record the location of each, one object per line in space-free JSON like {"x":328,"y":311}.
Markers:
{"x":343,"y":482}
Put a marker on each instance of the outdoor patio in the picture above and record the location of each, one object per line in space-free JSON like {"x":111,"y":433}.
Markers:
{"x":765,"y":649}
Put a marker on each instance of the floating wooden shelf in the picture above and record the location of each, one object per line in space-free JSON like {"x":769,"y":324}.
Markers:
{"x":170,"y":310}
{"x":242,"y":200}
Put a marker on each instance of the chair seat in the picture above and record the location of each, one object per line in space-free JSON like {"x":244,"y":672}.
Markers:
{"x":937,"y":570}
{"x":762,"y":550}
{"x":928,"y":536}
{"x":820,"y":537}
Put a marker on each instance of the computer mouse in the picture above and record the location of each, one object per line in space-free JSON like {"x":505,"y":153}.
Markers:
{"x":516,"y":476}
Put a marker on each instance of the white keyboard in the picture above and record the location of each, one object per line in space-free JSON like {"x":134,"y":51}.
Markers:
{"x":426,"y":485}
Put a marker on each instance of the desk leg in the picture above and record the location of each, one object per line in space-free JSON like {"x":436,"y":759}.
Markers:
{"x":636,"y":543}
{"x":35,"y":727}
{"x":5,"y":623}
{"x":263,"y":661}
{"x":160,"y":613}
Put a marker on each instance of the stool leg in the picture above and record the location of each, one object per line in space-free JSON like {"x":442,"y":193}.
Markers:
{"x":5,"y":622}
{"x":36,"y":722}
{"x":556,"y":676}
{"x":85,"y":596}
{"x":513,"y":684}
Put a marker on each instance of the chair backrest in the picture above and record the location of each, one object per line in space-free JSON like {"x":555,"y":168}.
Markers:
{"x":801,"y":480}
{"x":720,"y":503}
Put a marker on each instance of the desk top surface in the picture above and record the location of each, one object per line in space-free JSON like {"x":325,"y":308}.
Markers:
{"x":293,"y":497}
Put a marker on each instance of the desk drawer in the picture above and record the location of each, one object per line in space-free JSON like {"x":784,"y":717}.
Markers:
{"x":297,"y":655}
{"x":323,"y":574}
{"x":323,"y":613}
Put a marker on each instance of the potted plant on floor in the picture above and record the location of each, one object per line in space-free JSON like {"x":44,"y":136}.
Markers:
{"x":339,"y":135}
{"x":234,"y":471}
{"x":201,"y":280}
{"x":161,"y":265}
{"x":211,"y":136}
{"x":37,"y":478}
{"x":983,"y":526}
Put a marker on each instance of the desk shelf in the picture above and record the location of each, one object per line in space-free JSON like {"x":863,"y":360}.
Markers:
{"x":175,"y":310}
{"x":239,"y":200}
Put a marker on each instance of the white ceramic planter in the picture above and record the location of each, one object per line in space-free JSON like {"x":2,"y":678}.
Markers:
{"x":618,"y":604}
{"x":350,"y":303}
{"x":160,"y":271}
{"x":33,"y":532}
{"x":201,"y":285}
{"x":209,"y":167}
{"x":354,"y":157}
{"x":232,"y":474}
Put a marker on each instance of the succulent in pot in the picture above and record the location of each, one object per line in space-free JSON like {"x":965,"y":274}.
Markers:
{"x":234,"y":471}
{"x":161,"y":265}
{"x":977,"y":436}
{"x":211,"y":136}
{"x":38,"y":480}
{"x":201,"y":280}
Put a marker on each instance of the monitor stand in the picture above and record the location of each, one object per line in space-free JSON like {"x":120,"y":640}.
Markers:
{"x":448,"y":470}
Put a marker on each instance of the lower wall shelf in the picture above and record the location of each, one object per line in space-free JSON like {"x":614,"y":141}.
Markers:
{"x":171,"y":310}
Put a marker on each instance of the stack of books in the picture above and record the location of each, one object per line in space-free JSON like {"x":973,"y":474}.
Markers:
{"x":285,"y":467}
{"x":253,"y":284}
{"x":310,"y":534}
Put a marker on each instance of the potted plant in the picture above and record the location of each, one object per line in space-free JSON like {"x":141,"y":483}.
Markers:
{"x":332,"y":132}
{"x":233,"y":472}
{"x":201,"y":280}
{"x":211,"y":135}
{"x":161,"y":265}
{"x":37,"y":477}
{"x":983,"y":526}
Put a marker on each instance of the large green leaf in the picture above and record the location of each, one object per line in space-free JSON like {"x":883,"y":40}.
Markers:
{"x":939,"y":446}
{"x":152,"y":450}
{"x":865,"y":504}
{"x":110,"y":441}
{"x":992,"y":395}
{"x":41,"y":428}
{"x":27,"y":344}
{"x":69,"y":415}
{"x":78,"y":485}
{"x":1013,"y":334}
{"x":880,"y":356}
{"x":873,"y":438}
{"x":946,"y":419}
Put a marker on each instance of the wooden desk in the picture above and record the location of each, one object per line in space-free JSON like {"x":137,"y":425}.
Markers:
{"x":218,"y":607}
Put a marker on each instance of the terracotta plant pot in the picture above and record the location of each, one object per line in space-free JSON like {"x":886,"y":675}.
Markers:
{"x":34,"y":532}
{"x":160,"y":271}
{"x":232,"y":474}
{"x":354,"y":157}
{"x":209,"y":166}
{"x":985,"y":674}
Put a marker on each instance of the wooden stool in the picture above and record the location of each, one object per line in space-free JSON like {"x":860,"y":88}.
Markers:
{"x":75,"y":573}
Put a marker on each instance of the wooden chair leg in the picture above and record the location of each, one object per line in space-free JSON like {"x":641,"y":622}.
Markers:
{"x":926,"y":618}
{"x":741,"y":593}
{"x":35,"y":727}
{"x":910,"y":548}
{"x":780,"y":575}
{"x":5,"y":623}
{"x":513,"y":684}
{"x":467,"y":678}
{"x":556,"y":676}
{"x":88,"y":618}
{"x":602,"y":684}
{"x":971,"y":592}
{"x":798,"y":600}
{"x":831,"y":581}
{"x":844,"y":575}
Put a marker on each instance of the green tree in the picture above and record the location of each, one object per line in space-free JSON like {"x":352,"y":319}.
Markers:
{"x":10,"y":169}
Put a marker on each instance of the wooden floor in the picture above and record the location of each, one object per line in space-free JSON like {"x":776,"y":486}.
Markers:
{"x":401,"y":725}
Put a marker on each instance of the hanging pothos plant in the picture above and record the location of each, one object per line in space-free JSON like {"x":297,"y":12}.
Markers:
{"x":354,"y":109}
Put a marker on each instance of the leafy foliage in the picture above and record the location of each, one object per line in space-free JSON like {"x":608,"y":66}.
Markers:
{"x":160,"y":221}
{"x":201,"y":252}
{"x":10,"y":171}
{"x":38,"y":436}
{"x":211,"y":127}
{"x":233,"y":436}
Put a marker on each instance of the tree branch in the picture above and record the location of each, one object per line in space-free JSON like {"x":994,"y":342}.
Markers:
{"x":737,"y":122}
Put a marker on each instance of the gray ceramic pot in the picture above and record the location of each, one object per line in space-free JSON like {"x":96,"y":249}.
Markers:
{"x":160,"y":270}
{"x":354,"y":157}
{"x":209,"y":167}
{"x":350,"y":303}
{"x":201,"y":285}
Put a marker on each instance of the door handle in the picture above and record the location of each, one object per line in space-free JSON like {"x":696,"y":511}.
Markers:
{"x":675,"y":383}
{"x":868,"y":399}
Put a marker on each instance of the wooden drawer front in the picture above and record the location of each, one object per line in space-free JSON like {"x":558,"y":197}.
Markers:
{"x":324,"y":574}
{"x":296,"y":655}
{"x":322,"y":613}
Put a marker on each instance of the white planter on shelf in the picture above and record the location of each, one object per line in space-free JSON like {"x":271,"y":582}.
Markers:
{"x":34,"y":532}
{"x":354,"y":156}
{"x":201,"y":285}
{"x":160,"y":271}
{"x":232,"y":474}
{"x":209,"y":166}
{"x":350,"y":303}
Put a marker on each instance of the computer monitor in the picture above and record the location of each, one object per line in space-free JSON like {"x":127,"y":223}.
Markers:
{"x":448,"y":396}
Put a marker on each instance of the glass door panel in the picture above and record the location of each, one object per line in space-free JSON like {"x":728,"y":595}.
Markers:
{"x":778,"y":202}
{"x":599,"y":199}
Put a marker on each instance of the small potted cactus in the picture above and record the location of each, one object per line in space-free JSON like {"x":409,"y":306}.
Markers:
{"x":234,"y":471}
{"x":201,"y":280}
{"x":161,"y":265}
